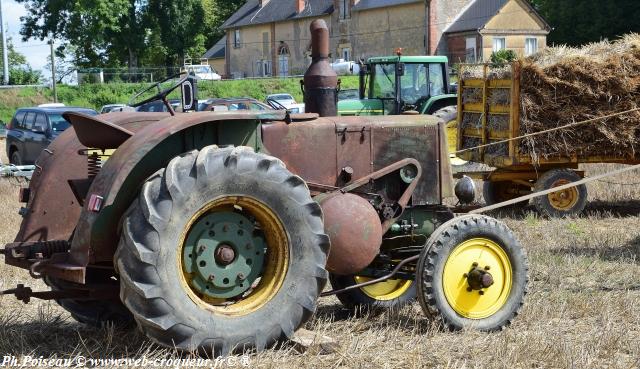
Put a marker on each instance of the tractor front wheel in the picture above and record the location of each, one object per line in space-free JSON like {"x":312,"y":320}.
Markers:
{"x":472,"y":273}
{"x":224,"y":250}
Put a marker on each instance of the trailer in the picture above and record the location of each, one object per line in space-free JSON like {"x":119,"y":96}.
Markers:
{"x":488,"y":132}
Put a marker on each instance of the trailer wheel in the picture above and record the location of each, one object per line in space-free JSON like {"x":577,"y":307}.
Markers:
{"x":496,"y":192}
{"x":566,"y":203}
{"x":393,"y":293}
{"x":224,"y":250}
{"x":96,"y":313}
{"x":473,"y":273}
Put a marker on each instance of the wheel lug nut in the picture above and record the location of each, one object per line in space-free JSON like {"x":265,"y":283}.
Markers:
{"x":202,"y":248}
{"x":474,"y":264}
{"x":469,"y":289}
{"x":241,"y":276}
{"x":465,"y":275}
{"x":211,"y":278}
{"x":487,"y":267}
{"x":481,"y":293}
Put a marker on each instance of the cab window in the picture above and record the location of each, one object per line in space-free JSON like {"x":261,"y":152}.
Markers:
{"x":414,"y":83}
{"x":383,"y":85}
{"x":18,"y":122}
{"x":436,"y":79}
{"x":29,"y":119}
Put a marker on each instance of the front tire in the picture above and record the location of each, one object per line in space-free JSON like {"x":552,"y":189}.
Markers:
{"x":454,"y":271}
{"x":253,"y":203}
{"x":16,"y":158}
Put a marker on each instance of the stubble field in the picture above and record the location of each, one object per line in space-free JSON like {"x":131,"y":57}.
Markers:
{"x":581,"y":311}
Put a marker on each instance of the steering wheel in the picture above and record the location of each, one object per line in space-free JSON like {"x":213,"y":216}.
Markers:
{"x":276,"y":105}
{"x":162,"y":94}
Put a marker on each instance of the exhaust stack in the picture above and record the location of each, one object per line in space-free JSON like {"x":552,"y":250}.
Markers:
{"x":320,"y":80}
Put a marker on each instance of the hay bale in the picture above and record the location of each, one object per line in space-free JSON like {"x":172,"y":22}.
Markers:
{"x":500,"y":96}
{"x":471,"y":95}
{"x":498,"y":122}
{"x":471,"y":120}
{"x":562,"y":85}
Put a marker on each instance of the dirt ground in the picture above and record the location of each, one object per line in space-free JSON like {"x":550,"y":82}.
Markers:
{"x":581,"y":311}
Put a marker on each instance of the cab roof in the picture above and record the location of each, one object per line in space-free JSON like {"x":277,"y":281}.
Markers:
{"x":408,"y":59}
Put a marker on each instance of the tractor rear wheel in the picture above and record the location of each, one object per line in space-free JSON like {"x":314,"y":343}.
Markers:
{"x":393,"y":293}
{"x":224,"y":250}
{"x":473,"y":273}
{"x":566,"y":203}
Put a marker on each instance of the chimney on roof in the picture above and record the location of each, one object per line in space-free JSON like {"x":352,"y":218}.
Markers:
{"x":263,"y":2}
{"x":300,"y":5}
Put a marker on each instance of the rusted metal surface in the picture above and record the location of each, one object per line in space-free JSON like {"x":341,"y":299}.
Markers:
{"x":97,"y":133}
{"x":355,"y":231}
{"x":320,"y":80}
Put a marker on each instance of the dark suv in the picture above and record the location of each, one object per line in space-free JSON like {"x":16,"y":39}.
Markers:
{"x":32,"y":129}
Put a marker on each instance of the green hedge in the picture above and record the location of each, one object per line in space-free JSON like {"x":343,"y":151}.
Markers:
{"x":96,"y":95}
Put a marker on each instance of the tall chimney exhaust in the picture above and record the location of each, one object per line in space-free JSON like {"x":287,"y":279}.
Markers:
{"x":320,"y":80}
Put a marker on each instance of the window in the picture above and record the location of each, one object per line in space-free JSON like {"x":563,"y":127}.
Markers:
{"x":346,"y":54}
{"x":344,"y":9}
{"x":29,"y":119}
{"x":58,"y":123}
{"x":499,"y":43}
{"x":18,"y":119}
{"x":530,"y":46}
{"x":40,"y":123}
{"x":436,"y":79}
{"x":236,"y":38}
{"x":470,"y":53}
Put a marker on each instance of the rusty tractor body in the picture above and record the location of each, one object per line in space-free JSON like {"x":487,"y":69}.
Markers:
{"x":217,"y":231}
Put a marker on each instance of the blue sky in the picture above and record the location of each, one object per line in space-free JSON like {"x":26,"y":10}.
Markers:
{"x":36,"y":51}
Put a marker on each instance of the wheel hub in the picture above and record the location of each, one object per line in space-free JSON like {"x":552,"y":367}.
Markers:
{"x":479,"y":278}
{"x":222,"y":257}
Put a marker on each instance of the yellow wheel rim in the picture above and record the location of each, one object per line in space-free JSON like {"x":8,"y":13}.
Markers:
{"x":384,"y":291}
{"x":274,"y":268}
{"x":472,"y":304}
{"x":565,"y":199}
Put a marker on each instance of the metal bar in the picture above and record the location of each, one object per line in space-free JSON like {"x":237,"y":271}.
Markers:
{"x":554,"y":189}
{"x":373,"y":281}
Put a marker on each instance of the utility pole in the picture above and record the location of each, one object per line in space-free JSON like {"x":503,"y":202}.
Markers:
{"x":5,"y":53}
{"x":53,"y":72}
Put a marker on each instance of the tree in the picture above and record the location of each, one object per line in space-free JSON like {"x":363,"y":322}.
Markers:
{"x":576,"y":22}
{"x":20,"y":72}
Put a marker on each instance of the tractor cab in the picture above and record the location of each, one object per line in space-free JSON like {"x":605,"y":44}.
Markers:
{"x":400,"y":84}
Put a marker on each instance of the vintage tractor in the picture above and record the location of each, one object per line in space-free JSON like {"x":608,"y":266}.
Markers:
{"x":218,"y":231}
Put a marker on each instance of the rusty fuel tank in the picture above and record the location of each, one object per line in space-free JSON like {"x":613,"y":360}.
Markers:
{"x":320,"y":81}
{"x":355,"y":231}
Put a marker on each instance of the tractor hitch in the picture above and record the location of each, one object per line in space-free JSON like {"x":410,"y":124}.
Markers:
{"x":25,"y":294}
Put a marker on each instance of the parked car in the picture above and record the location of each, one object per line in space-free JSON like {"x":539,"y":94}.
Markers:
{"x":159,"y":106}
{"x":232,"y":104}
{"x":113,"y":107}
{"x":287,"y":101}
{"x":32,"y":129}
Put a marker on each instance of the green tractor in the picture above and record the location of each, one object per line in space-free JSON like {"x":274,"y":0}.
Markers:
{"x":393,"y":85}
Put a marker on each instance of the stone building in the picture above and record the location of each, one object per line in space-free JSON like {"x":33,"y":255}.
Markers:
{"x":271,"y":37}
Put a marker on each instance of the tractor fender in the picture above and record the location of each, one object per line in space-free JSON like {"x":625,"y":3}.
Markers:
{"x":148,"y":150}
{"x":53,"y":210}
{"x":438,"y":102}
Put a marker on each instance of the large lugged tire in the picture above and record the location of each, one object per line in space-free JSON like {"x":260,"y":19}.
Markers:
{"x":566,"y":203}
{"x":393,"y":293}
{"x":454,"y":281}
{"x":201,"y":207}
{"x":96,"y":313}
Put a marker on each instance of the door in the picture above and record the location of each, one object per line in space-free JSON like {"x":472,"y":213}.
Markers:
{"x":39,"y":137}
{"x":283,"y":61}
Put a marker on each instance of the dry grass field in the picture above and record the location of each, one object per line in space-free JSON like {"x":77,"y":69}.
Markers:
{"x":581,"y":312}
